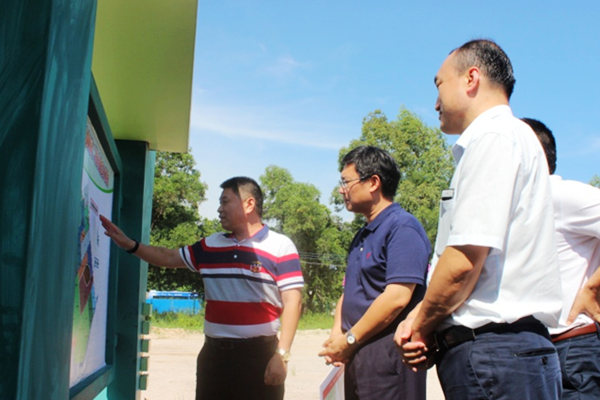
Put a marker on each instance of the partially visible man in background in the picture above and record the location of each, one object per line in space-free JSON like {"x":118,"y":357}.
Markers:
{"x":577,"y":222}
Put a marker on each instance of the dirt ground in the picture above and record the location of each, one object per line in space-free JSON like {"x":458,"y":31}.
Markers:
{"x":172,"y":366}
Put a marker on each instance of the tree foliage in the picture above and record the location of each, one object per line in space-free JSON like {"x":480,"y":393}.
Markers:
{"x":595,"y":181}
{"x":178,"y":192}
{"x":424,"y":158}
{"x":293,"y":208}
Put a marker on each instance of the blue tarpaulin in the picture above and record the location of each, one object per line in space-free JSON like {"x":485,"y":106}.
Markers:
{"x":173,"y":301}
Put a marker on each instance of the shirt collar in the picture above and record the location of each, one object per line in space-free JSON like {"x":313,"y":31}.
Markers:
{"x":382,"y":216}
{"x":472,"y":130}
{"x":257,"y":237}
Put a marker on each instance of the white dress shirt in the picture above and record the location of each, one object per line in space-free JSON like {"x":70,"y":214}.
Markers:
{"x":500,"y":198}
{"x":577,"y":220}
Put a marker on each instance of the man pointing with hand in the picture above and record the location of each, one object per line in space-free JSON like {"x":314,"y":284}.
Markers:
{"x":252,"y":277}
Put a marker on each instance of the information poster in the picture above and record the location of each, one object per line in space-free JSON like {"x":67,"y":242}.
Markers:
{"x":91,"y":273}
{"x":332,"y":387}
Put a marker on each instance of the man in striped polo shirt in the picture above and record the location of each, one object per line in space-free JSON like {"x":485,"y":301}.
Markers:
{"x":252,"y":277}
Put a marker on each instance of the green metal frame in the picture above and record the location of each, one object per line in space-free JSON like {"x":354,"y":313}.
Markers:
{"x":90,"y":387}
{"x":133,"y":164}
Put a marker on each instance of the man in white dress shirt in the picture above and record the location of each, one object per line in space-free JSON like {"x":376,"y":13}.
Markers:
{"x":492,"y":285}
{"x":577,"y":220}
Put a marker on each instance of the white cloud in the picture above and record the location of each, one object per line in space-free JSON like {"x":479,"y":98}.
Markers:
{"x":264,"y":124}
{"x":286,"y":66}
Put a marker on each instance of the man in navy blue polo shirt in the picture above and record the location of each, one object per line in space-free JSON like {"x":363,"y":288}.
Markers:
{"x":385,"y":279}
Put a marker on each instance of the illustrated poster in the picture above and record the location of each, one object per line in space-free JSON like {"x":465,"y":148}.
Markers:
{"x":88,"y":345}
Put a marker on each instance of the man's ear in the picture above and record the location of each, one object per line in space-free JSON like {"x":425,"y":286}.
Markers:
{"x":473,"y":76}
{"x":249,"y":205}
{"x":374,"y":183}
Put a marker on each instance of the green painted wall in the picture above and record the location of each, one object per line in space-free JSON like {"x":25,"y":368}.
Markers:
{"x":45,"y":62}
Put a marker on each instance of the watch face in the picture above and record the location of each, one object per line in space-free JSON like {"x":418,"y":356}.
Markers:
{"x":350,"y":338}
{"x":285,"y":355}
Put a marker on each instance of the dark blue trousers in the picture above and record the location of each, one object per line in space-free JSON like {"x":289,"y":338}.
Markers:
{"x":377,"y":373}
{"x":580,"y":365}
{"x":501,"y":366}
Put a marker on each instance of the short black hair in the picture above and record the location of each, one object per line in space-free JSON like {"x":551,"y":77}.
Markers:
{"x":546,"y":138}
{"x":369,"y":161}
{"x":248,"y":185}
{"x":490,"y":59}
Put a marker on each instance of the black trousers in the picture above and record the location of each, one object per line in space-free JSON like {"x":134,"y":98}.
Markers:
{"x":235,"y":369}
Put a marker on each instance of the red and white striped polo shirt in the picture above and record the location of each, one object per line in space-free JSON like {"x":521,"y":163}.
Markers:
{"x":243,"y":281}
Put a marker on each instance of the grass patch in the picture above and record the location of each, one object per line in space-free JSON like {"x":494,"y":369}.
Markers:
{"x":315,"y":321}
{"x":195,"y":322}
{"x":191,"y":322}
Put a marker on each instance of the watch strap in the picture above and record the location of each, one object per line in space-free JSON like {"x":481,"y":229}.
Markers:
{"x":285,"y":355}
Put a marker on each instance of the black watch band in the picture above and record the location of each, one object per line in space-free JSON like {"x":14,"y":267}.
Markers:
{"x":135,"y":247}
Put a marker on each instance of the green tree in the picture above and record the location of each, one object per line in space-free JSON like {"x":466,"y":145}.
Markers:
{"x":424,"y":158}
{"x":293,"y":208}
{"x":176,"y":222}
{"x":595,"y":181}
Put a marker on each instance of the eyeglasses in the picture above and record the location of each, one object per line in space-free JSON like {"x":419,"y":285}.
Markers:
{"x":344,"y":183}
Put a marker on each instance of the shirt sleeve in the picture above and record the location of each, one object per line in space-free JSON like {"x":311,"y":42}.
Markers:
{"x":407,"y":255}
{"x":189,"y":255}
{"x":581,"y":203}
{"x":484,"y":193}
{"x":289,"y":270}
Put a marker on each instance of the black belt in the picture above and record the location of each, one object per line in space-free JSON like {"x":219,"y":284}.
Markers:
{"x":231,"y":344}
{"x":457,"y":335}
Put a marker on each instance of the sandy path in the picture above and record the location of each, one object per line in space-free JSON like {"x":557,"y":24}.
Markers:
{"x":173,"y":355}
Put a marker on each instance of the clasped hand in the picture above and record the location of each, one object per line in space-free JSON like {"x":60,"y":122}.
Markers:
{"x":416,"y":351}
{"x":336,"y":350}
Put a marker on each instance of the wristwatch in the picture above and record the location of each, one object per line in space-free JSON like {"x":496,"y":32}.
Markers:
{"x":350,"y":338}
{"x":285,"y":355}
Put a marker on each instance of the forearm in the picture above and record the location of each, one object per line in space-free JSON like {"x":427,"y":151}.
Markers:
{"x":337,"y":318}
{"x":384,"y":309}
{"x":160,"y":256}
{"x":453,"y":281}
{"x":292,"y":308}
{"x":587,"y":300}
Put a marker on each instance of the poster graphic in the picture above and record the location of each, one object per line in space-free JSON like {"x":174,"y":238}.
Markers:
{"x":91,"y":273}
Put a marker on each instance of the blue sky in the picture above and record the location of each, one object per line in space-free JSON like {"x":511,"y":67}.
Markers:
{"x":288,"y":83}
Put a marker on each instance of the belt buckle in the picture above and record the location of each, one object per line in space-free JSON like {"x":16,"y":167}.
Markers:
{"x":454,"y":337}
{"x":439,"y":342}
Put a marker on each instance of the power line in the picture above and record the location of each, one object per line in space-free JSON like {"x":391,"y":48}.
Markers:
{"x":332,"y":260}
